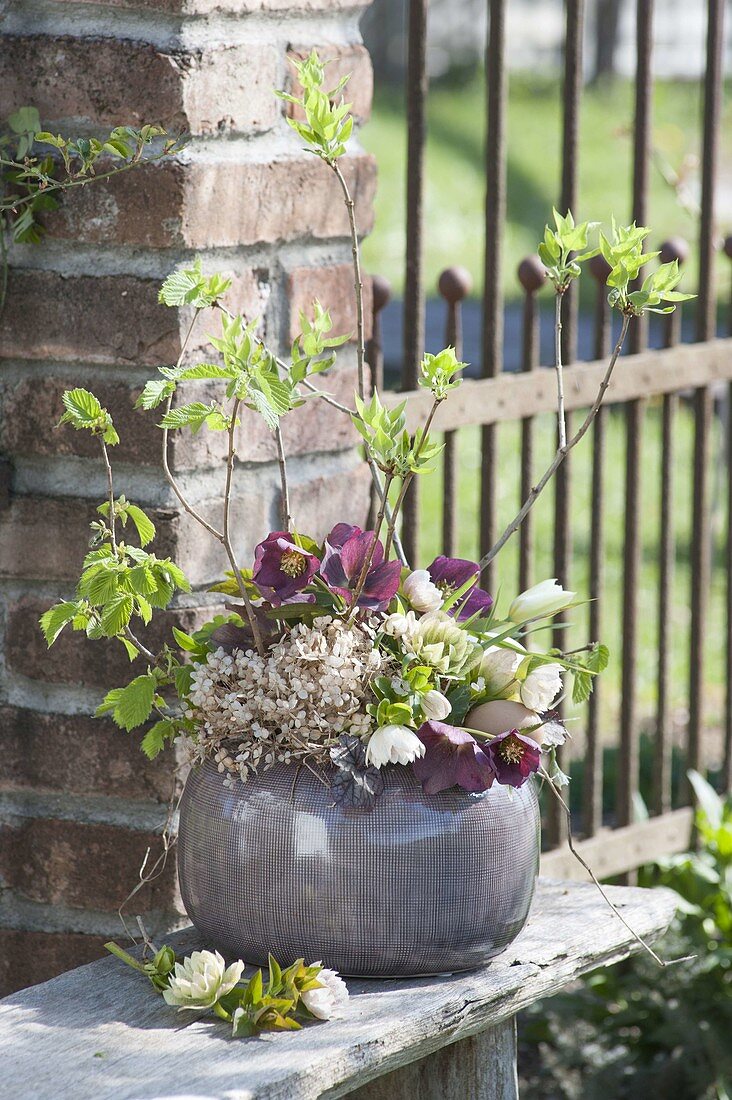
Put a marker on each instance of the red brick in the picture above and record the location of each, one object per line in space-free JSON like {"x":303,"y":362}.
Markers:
{"x":108,"y":319}
{"x":333,"y":498}
{"x":73,"y":659}
{"x":218,"y":90}
{"x":213,"y":203}
{"x":27,"y":958}
{"x":81,"y":865}
{"x":352,"y":60}
{"x":104,"y":319}
{"x":30,"y":409}
{"x":47,"y":538}
{"x":77,"y":754}
{"x":334,"y":289}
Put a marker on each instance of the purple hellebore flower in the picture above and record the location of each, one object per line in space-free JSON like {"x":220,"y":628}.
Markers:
{"x":346,"y":550}
{"x":281,"y":568}
{"x":514,"y":757}
{"x":452,"y":757}
{"x":449,"y":574}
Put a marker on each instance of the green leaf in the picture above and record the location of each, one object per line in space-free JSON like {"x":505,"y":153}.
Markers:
{"x":55,"y":619}
{"x":194,"y":416}
{"x":154,"y":740}
{"x":145,"y":526}
{"x":185,"y":641}
{"x":84,"y":412}
{"x":100,"y":583}
{"x":130,"y":706}
{"x":116,"y":614}
{"x":132,"y":650}
{"x":155,"y":392}
{"x":189,"y":286}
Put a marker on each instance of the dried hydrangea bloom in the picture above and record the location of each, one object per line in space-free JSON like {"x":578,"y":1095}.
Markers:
{"x":311,"y":686}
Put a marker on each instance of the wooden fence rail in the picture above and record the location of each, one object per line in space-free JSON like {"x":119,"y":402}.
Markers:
{"x":644,"y":380}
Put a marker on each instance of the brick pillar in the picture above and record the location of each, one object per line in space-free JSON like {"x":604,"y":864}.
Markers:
{"x":80,"y":804}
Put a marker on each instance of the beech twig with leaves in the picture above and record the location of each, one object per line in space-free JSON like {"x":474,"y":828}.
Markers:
{"x":33,"y":178}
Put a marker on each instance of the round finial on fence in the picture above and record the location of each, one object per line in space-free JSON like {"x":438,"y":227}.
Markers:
{"x":454,"y":284}
{"x":599,"y":268}
{"x":380,"y":292}
{"x":727,"y":246}
{"x":675,"y":248}
{"x":531,"y":273}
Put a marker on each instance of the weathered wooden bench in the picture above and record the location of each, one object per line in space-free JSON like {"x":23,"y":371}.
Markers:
{"x":100,"y":1033}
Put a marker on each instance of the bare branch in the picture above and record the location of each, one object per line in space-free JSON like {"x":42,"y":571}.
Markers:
{"x":110,"y":490}
{"x":166,"y":465}
{"x":406,"y":482}
{"x":561,"y":453}
{"x":561,"y":417}
{"x":287,"y":520}
{"x":357,"y":280}
{"x":226,"y":540}
{"x":570,"y":843}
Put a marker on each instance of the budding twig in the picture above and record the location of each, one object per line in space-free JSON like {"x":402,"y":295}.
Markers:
{"x":357,"y":280}
{"x":561,"y":453}
{"x":561,"y":418}
{"x":570,"y":842}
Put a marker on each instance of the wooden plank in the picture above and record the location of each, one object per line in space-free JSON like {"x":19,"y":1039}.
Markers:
{"x":614,"y":851}
{"x":512,"y":396}
{"x":482,"y":1067}
{"x":99,"y":1032}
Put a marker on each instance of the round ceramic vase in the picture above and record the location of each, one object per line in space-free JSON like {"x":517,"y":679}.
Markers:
{"x":419,"y":884}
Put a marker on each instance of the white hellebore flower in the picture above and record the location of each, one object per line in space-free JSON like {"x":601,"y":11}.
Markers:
{"x":421,"y":592}
{"x":201,"y":979}
{"x":330,"y":999}
{"x":393,"y":745}
{"x":541,"y":687}
{"x":498,"y":668}
{"x":545,"y":598}
{"x":435,"y":706}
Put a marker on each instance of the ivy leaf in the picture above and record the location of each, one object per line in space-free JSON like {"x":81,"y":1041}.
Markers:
{"x":130,"y":706}
{"x":154,"y":740}
{"x":145,"y":526}
{"x":55,"y":619}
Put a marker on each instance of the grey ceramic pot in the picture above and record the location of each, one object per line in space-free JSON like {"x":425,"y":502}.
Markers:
{"x":418,"y":885}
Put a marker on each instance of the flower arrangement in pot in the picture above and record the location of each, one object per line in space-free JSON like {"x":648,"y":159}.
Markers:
{"x":363,"y":736}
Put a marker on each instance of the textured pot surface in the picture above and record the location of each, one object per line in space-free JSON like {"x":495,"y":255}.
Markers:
{"x":417,"y":885}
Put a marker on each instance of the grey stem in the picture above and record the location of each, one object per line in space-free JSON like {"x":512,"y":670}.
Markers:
{"x":357,"y":280}
{"x":561,"y":418}
{"x":561,"y":454}
{"x":226,"y":540}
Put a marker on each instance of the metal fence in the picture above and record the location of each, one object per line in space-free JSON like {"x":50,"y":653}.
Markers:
{"x":678,"y":380}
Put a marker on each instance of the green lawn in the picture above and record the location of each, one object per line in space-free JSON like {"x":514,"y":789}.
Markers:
{"x":508,"y":481}
{"x":455,"y":173}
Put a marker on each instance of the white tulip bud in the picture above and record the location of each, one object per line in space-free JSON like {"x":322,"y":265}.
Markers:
{"x":498,"y":669}
{"x":544,"y":599}
{"x":435,"y":706}
{"x":541,"y":687}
